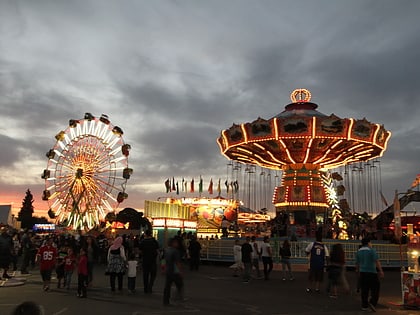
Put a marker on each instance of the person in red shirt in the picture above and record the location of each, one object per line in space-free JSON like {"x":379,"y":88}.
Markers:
{"x":82,"y":271}
{"x":69,"y":264}
{"x":47,"y":255}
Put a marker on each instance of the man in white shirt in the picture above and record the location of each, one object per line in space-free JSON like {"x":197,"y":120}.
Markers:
{"x":256,"y":253}
{"x":267,"y":257}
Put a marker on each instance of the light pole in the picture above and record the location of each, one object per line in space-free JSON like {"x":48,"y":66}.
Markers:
{"x":397,"y":219}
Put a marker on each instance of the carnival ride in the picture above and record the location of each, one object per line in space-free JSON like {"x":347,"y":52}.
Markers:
{"x":87,"y":172}
{"x":385,"y":218}
{"x":305,"y":145}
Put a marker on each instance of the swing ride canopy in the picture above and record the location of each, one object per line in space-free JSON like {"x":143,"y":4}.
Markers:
{"x":304,"y":143}
{"x":302,"y":135}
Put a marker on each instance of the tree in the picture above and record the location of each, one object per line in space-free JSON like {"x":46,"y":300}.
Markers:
{"x":25,"y":213}
{"x":135,"y":218}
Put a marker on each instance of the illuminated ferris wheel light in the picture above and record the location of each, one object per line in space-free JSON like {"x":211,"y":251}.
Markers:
{"x":87,"y":172}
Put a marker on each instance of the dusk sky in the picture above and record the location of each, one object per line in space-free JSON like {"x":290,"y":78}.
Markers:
{"x":173,"y":74}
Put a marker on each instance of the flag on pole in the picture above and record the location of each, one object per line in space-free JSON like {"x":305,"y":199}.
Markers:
{"x":397,"y":217}
{"x":200,"y":185}
{"x":227,"y":186}
{"x":186,"y":186}
{"x":219,"y":189}
{"x":168,"y":185}
{"x":192,"y":186}
{"x":210,"y":189}
{"x":183,"y":186}
{"x":236,"y":186}
{"x":173,"y":184}
{"x":177,"y":188}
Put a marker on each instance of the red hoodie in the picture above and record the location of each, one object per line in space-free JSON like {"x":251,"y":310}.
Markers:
{"x":82,"y":268}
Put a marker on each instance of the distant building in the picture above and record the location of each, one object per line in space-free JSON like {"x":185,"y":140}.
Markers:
{"x":6,"y":214}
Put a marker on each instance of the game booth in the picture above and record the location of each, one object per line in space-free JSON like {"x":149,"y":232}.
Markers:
{"x":168,"y":218}
{"x":411,"y":277}
{"x":202,"y":216}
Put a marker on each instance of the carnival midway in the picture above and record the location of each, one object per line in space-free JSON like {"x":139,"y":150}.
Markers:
{"x":296,"y":177}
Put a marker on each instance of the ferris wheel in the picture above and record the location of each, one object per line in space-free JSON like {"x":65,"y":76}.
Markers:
{"x":87,"y":172}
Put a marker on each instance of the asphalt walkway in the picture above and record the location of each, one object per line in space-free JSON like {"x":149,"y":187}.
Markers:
{"x":212,"y":290}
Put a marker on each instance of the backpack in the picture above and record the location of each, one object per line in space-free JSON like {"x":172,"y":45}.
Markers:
{"x":285,"y":252}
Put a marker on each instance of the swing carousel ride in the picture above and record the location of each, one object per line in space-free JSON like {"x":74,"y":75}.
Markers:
{"x":305,"y":145}
{"x":86,"y":173}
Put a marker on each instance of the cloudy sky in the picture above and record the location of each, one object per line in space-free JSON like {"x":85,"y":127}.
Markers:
{"x":173,"y":74}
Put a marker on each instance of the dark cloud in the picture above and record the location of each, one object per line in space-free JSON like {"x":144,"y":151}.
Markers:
{"x":173,"y":74}
{"x":9,"y":152}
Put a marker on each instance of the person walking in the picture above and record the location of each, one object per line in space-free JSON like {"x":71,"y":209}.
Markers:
{"x":194,"y":249}
{"x":82,"y":274}
{"x":59,"y":267}
{"x":26,"y":245}
{"x":92,"y":251}
{"x":47,"y":256}
{"x":173,"y":272}
{"x":267,"y":257}
{"x":246,"y":257}
{"x":256,"y":254}
{"x":336,"y":269}
{"x":116,"y":263}
{"x":370,"y":269}
{"x":131,"y":273}
{"x":149,"y":250}
{"x":6,"y":249}
{"x":237,"y":257}
{"x":16,"y":250}
{"x":285,"y":254}
{"x":69,"y":265}
{"x":318,"y":254}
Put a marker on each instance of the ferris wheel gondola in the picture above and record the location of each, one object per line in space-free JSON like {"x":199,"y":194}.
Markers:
{"x":87,"y":172}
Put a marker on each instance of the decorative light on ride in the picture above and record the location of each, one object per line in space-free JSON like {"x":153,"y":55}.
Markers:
{"x":253,"y":218}
{"x":174,"y":223}
{"x":320,"y":138}
{"x":330,"y":190}
{"x":117,"y":225}
{"x":300,"y":96}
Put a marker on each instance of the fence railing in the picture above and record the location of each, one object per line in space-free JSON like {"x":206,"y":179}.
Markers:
{"x":389,"y":254}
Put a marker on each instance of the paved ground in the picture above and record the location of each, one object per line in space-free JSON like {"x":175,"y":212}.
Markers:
{"x":212,"y":290}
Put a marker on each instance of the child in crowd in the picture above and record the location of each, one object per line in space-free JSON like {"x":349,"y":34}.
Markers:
{"x":59,"y":268}
{"x":131,"y":273}
{"x":82,"y":272}
{"x":69,"y":264}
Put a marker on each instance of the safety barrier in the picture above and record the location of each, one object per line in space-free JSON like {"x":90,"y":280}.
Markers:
{"x":222,"y":250}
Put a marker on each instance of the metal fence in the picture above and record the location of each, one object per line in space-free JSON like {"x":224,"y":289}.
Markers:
{"x":389,"y":254}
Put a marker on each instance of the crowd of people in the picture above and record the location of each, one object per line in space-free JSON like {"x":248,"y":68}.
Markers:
{"x":251,"y":253}
{"x":66,"y":255}
{"x":74,"y":256}
{"x":247,"y":256}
